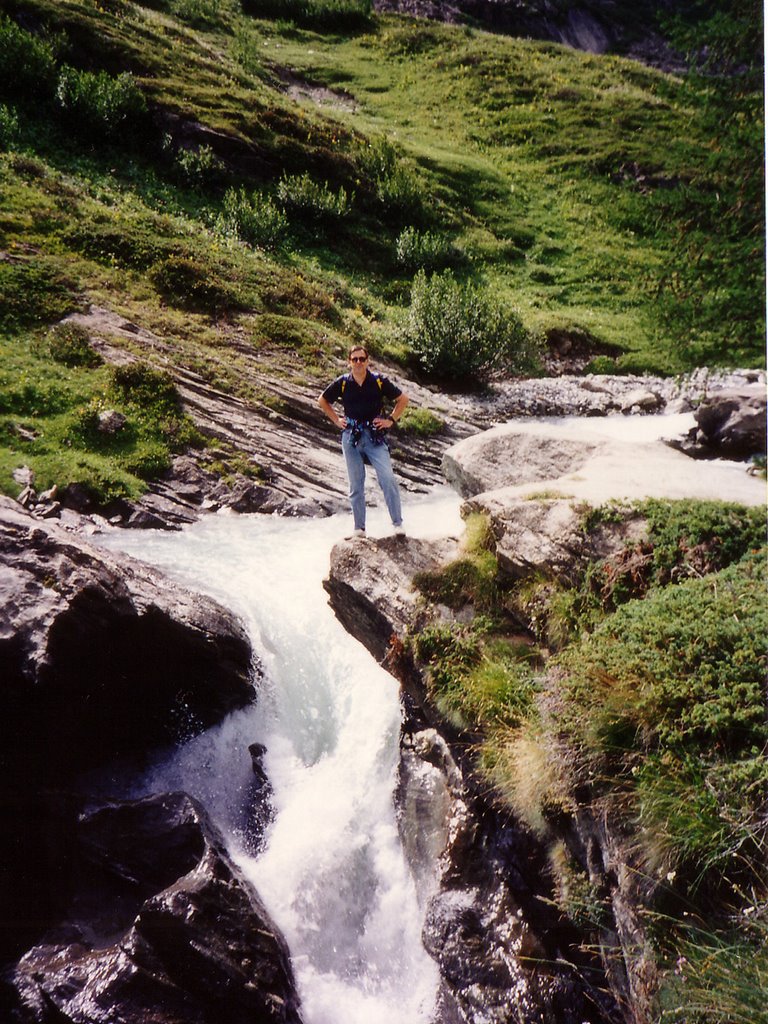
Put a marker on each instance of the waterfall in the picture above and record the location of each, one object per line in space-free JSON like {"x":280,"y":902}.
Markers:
{"x":330,"y":868}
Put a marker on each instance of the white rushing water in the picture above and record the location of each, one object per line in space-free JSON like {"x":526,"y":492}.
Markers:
{"x":332,"y":872}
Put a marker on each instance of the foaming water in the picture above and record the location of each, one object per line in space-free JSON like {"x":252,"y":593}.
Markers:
{"x":331,"y":870}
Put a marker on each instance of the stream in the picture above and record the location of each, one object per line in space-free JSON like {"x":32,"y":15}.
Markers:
{"x":330,"y":868}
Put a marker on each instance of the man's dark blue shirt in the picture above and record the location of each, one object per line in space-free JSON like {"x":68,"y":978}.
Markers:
{"x":361,"y":401}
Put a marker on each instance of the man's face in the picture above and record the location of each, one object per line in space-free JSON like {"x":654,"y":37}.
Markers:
{"x":358,"y":360}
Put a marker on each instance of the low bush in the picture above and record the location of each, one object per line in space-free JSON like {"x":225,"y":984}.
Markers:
{"x":393,"y":181}
{"x":300,"y":194}
{"x":122,"y":241}
{"x":252,"y":218}
{"x":28,"y":395}
{"x":668,"y":696}
{"x":150,"y":390}
{"x":33,"y":292}
{"x":200,"y":13}
{"x":70,"y":345}
{"x":459,"y":332}
{"x":185,"y":282}
{"x":199,"y":168}
{"x":97,"y":105}
{"x":424,"y":250}
{"x":27,"y":62}
{"x":9,"y":126}
{"x":691,"y":537}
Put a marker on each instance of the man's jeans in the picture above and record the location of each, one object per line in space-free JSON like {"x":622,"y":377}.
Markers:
{"x":378,"y":456}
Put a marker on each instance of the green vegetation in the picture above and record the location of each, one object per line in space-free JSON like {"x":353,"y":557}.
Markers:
{"x":153,"y":161}
{"x":421,"y":422}
{"x":457,"y":332}
{"x":652,"y":712}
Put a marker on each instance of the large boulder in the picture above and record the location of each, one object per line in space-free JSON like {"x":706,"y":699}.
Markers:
{"x":101,"y":654}
{"x":611,"y":459}
{"x":371,"y":590}
{"x":507,"y":455}
{"x":159,"y":925}
{"x":732,"y":422}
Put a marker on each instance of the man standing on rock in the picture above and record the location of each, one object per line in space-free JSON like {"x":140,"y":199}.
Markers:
{"x":363,"y":439}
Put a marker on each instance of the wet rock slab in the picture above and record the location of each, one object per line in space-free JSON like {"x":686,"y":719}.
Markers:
{"x":96,"y":645}
{"x":159,"y":926}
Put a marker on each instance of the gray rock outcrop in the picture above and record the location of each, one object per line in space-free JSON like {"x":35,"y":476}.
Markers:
{"x":500,"y":949}
{"x":505,"y":455}
{"x":609,"y":460}
{"x":99,"y":645}
{"x":548,"y":537}
{"x":158,"y":924}
{"x":729,"y":424}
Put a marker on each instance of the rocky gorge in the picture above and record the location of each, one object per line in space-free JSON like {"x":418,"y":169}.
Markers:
{"x":102,"y":656}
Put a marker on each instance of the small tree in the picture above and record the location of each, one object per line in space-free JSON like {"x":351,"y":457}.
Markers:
{"x":459,"y":332}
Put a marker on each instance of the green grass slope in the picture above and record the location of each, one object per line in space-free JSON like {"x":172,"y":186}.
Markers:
{"x":635,"y":707}
{"x":215,"y":176}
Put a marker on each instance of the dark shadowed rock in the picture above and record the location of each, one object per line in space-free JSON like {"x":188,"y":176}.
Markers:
{"x":99,"y":656}
{"x":160,"y":926}
{"x":98,"y":645}
{"x":733,"y":422}
{"x":729,"y":424}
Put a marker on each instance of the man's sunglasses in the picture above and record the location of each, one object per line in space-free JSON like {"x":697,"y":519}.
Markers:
{"x":359,"y":359}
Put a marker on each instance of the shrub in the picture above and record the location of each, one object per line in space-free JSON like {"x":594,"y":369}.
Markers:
{"x":682,"y":669}
{"x":200,"y":13}
{"x":459,"y":332}
{"x":96,"y":104}
{"x":253,"y":219}
{"x":394,"y":182}
{"x":27,"y":62}
{"x":33,"y":293}
{"x":150,"y":390}
{"x":692,"y":537}
{"x":27,"y":395}
{"x":301,"y":194}
{"x":199,"y":168}
{"x":122,"y":241}
{"x":192,"y":285}
{"x":70,"y":345}
{"x":424,"y":250}
{"x":667,"y":696}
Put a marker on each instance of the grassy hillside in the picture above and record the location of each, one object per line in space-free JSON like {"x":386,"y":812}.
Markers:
{"x":219,"y":178}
